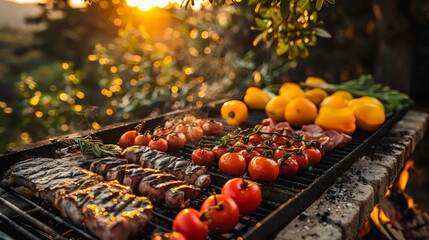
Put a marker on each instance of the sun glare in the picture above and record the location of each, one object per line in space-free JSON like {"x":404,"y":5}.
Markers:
{"x":146,"y":5}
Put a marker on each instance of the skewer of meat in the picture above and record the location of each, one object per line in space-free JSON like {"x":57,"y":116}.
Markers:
{"x":182,"y":168}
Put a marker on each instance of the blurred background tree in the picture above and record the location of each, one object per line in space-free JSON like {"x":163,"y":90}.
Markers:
{"x":109,"y":61}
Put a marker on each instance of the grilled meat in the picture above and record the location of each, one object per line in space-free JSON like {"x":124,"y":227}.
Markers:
{"x":121,"y":218}
{"x":176,"y":194}
{"x":21,"y":173}
{"x":156,"y":191}
{"x":108,"y":210}
{"x":101,"y":166}
{"x":118,"y":172}
{"x":133,"y":177}
{"x":182,"y":168}
{"x":180,"y":197}
{"x":50,"y":183}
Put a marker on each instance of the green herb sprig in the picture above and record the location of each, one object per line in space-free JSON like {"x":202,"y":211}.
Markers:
{"x":91,"y":146}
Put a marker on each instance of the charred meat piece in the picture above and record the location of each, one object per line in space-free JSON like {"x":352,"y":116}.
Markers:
{"x":133,"y":153}
{"x":46,"y":183}
{"x":156,"y":191}
{"x":59,"y":191}
{"x":103,"y":194}
{"x":101,"y":166}
{"x":118,"y":172}
{"x":20,"y":173}
{"x":182,"y":168}
{"x":180,"y":197}
{"x":175,"y":193}
{"x":121,"y":218}
{"x":133,"y":177}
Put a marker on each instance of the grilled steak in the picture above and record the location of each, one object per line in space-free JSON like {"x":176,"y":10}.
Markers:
{"x":103,"y":193}
{"x":157,"y":191}
{"x":133,"y":177}
{"x":121,"y":218}
{"x":101,"y":166}
{"x":22,"y":173}
{"x":108,"y":209}
{"x":50,"y":183}
{"x":118,"y":172}
{"x":180,"y":196}
{"x":182,"y":168}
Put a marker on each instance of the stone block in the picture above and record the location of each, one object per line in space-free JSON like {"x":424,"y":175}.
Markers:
{"x":352,"y":188}
{"x":306,"y":228}
{"x":375,"y":175}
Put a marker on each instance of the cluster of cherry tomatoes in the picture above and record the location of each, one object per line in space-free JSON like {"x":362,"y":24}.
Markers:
{"x":173,"y":135}
{"x":265,"y":155}
{"x":220,"y":212}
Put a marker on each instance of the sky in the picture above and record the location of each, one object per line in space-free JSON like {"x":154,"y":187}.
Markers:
{"x":13,"y":14}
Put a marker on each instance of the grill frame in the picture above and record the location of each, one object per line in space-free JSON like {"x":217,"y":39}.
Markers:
{"x":299,"y":195}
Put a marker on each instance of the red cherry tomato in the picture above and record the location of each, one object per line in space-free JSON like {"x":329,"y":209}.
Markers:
{"x":176,"y":140}
{"x":301,"y":160}
{"x":240,"y":145}
{"x":159,"y":144}
{"x":255,"y":139}
{"x":249,"y":155}
{"x":142,"y":139}
{"x":200,"y":122}
{"x":280,"y":140}
{"x":194,"y":133}
{"x":188,"y":223}
{"x":232,"y":163}
{"x":182,"y":128}
{"x":263,"y":168}
{"x":261,"y":147}
{"x":218,"y":151}
{"x":247,"y":194}
{"x":202,"y":156}
{"x":314,"y":155}
{"x":161,"y":132}
{"x":127,"y":139}
{"x":221,"y":212}
{"x":288,"y":167}
{"x":212,"y":127}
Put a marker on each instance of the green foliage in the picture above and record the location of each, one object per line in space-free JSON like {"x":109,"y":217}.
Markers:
{"x":289,"y":25}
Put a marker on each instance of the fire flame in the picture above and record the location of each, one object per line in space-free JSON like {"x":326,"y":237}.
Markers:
{"x":378,"y":215}
{"x":405,"y":175}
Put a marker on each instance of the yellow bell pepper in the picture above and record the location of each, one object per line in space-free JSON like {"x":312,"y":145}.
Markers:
{"x":340,"y":119}
{"x":255,"y":98}
{"x":365,"y":99}
{"x":316,"y":95}
{"x":334,"y":101}
{"x":369,"y":116}
{"x":315,"y":80}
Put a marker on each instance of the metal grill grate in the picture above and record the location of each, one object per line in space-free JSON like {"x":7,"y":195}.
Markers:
{"x":23,"y":217}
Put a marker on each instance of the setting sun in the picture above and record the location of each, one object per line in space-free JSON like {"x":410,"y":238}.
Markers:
{"x":146,"y":5}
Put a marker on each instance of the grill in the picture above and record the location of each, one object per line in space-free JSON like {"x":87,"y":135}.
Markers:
{"x":24,"y":217}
